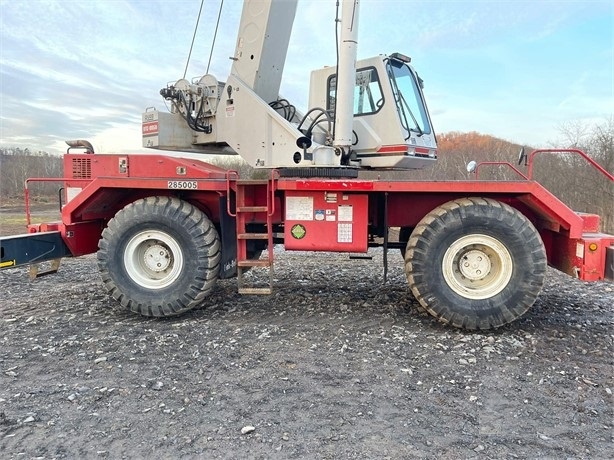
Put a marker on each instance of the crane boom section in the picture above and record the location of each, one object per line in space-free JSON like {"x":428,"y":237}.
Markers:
{"x":262,"y":45}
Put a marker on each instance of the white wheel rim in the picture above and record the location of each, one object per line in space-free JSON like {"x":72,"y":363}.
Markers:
{"x":153,"y":259}
{"x":477,"y":266}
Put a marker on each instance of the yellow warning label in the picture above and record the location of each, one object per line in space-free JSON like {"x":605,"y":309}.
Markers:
{"x":8,"y":263}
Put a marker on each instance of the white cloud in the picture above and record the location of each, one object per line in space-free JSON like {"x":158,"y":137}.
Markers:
{"x":124,"y":138}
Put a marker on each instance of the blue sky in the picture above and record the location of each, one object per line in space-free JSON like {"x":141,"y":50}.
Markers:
{"x":518,"y":70}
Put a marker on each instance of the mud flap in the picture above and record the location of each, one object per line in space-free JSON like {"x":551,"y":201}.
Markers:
{"x":228,"y":237}
{"x":609,"y":264}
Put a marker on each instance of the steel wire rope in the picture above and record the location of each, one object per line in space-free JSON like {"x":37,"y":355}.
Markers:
{"x":217,"y":25}
{"x":193,"y":38}
{"x":219,"y":15}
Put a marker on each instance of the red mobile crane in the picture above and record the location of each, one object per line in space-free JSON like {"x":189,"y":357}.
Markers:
{"x":166,"y":228}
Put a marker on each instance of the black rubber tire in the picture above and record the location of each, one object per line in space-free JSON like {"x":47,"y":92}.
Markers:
{"x":439,"y":240}
{"x":179,"y":230}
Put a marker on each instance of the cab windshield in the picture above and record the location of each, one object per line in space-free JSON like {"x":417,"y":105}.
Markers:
{"x":408,"y":99}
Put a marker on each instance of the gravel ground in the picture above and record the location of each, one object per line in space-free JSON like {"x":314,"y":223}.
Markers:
{"x":334,"y":364}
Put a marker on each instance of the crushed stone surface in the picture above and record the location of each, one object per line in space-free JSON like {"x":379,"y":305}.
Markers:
{"x":334,"y":364}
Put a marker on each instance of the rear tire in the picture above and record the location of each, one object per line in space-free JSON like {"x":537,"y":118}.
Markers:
{"x":159,"y":256}
{"x":475,"y":263}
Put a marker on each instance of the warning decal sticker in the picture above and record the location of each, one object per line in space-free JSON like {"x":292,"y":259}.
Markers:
{"x":344,"y":233}
{"x":346,"y":213}
{"x":298,"y":231}
{"x":299,"y":208}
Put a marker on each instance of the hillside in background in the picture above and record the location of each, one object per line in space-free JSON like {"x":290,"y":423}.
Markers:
{"x":569,"y":177}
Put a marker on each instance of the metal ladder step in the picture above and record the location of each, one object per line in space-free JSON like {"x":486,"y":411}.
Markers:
{"x":252,"y":209}
{"x":255,"y":263}
{"x":252,"y":182}
{"x":253,"y":236}
{"x":250,"y":204}
{"x":256,"y":290}
{"x":260,"y":283}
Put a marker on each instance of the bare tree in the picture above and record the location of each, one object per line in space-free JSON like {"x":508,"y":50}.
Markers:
{"x":573,"y":179}
{"x":16,"y":165}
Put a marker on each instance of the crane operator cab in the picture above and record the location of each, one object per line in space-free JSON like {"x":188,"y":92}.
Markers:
{"x":392,"y":128}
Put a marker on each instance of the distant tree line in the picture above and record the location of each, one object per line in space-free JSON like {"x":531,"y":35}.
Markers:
{"x":17,"y":164}
{"x":567,"y":176}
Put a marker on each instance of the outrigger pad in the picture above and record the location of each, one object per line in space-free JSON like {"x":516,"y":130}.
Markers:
{"x":36,"y":272}
{"x":318,"y":171}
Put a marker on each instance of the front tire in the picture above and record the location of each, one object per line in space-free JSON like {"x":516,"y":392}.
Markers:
{"x":159,"y":256}
{"x":475,"y":263}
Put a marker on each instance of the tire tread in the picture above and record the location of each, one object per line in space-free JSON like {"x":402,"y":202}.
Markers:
{"x":431,"y":227}
{"x":199,"y":229}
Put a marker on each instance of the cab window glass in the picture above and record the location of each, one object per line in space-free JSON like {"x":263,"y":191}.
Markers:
{"x":368,"y":97}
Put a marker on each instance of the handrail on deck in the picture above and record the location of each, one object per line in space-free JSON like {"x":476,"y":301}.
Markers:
{"x":272,"y":187}
{"x":26,"y":191}
{"x":230,"y":174}
{"x":530,"y":159}
{"x":592,"y":162}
